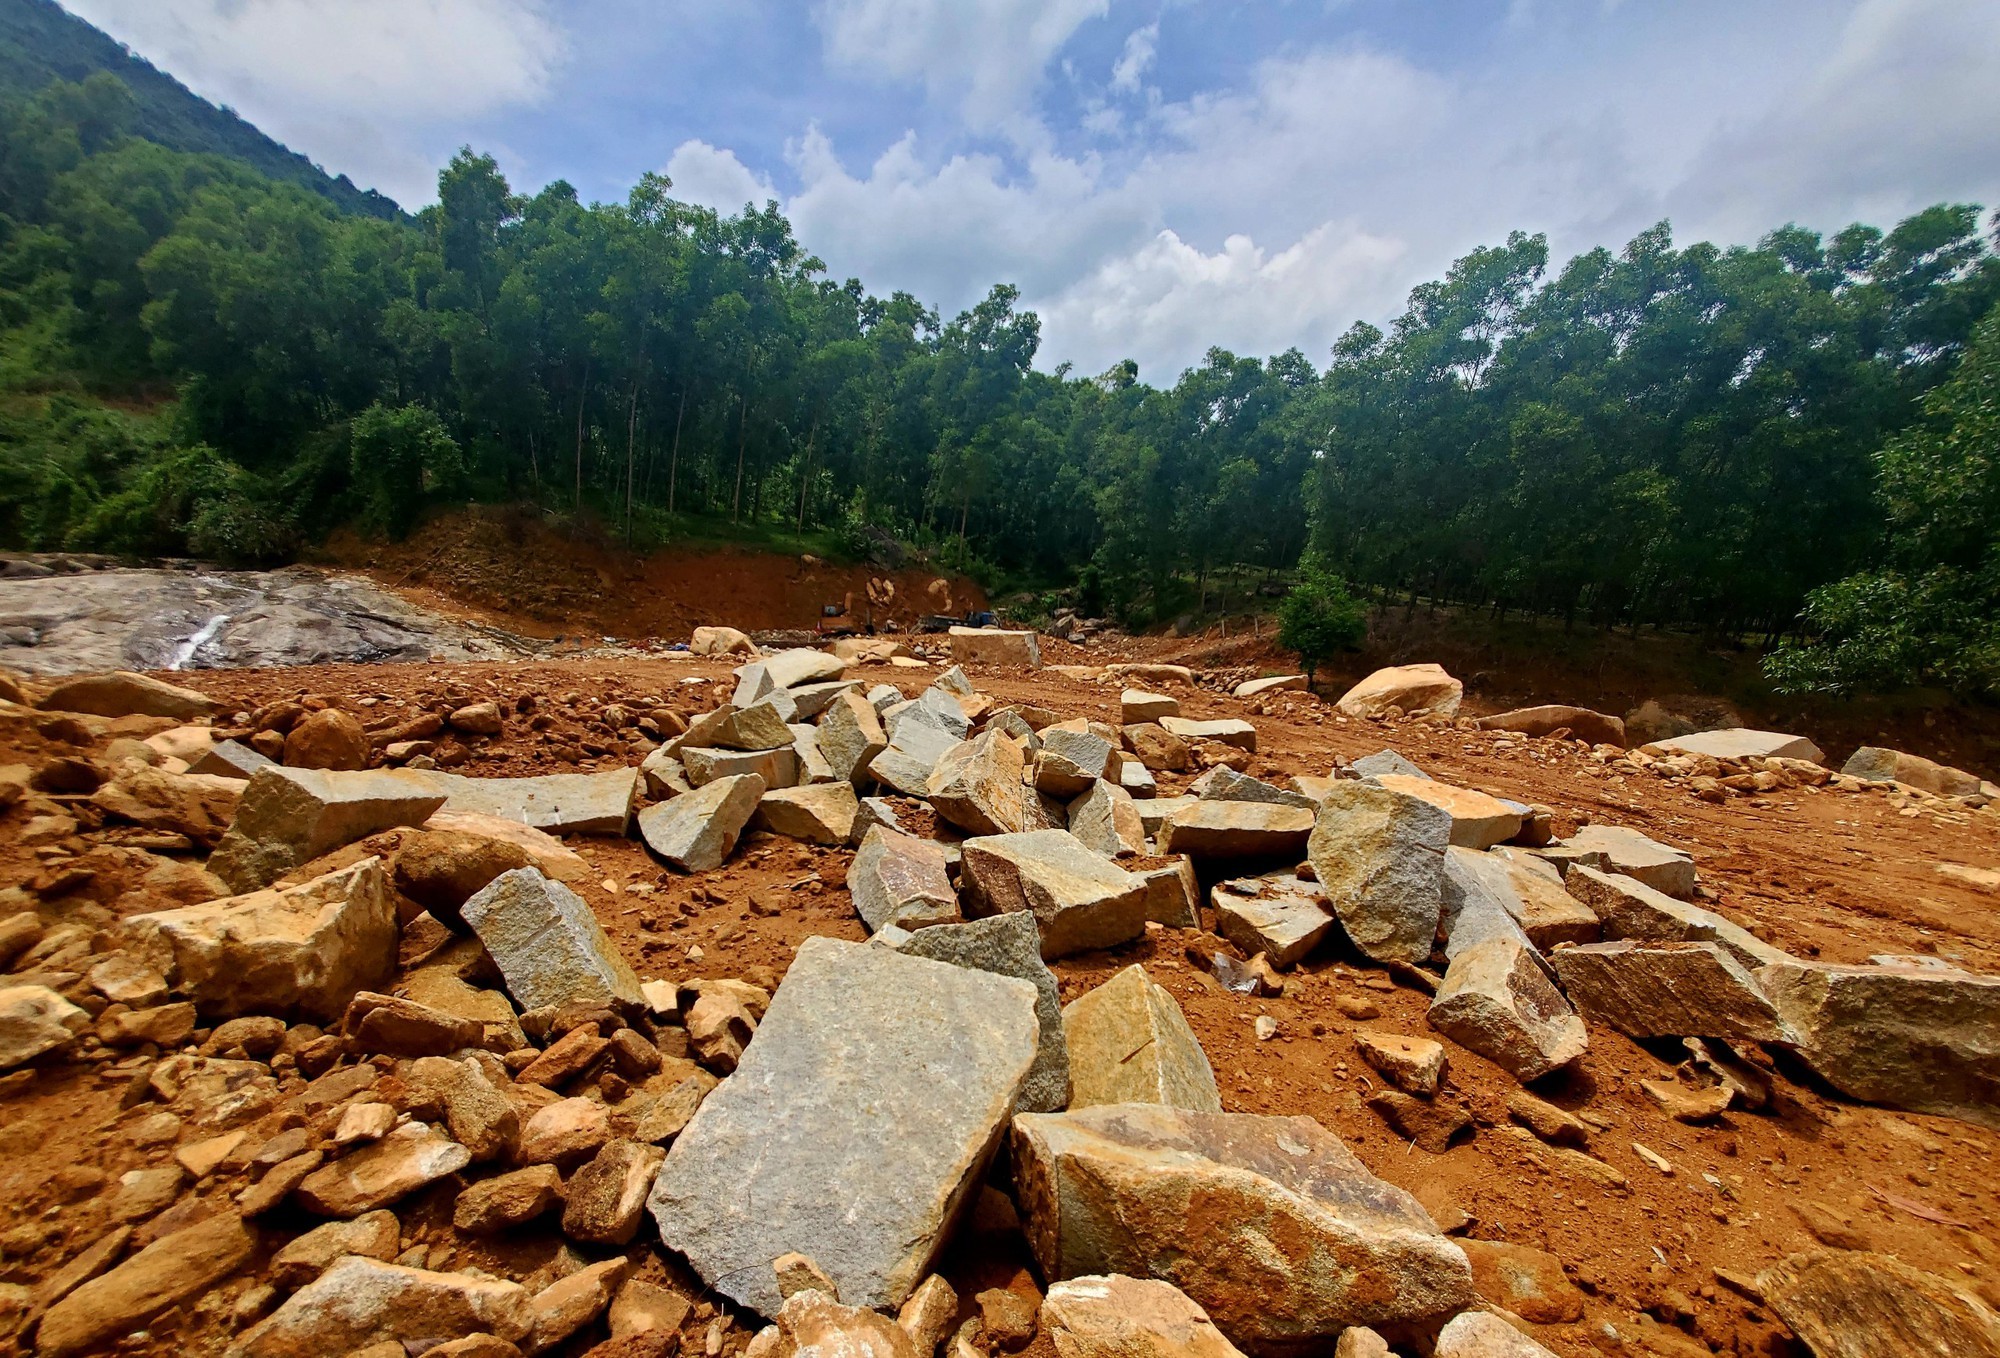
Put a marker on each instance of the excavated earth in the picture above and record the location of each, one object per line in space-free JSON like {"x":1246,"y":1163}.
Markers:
{"x":1824,"y":873}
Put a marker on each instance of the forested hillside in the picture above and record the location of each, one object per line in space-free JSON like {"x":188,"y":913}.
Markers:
{"x":1680,"y":435}
{"x":41,"y":43}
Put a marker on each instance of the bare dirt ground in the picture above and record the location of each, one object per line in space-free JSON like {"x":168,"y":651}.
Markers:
{"x":1840,"y":876}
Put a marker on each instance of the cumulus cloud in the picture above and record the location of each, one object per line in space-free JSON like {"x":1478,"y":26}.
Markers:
{"x":984,"y":57}
{"x":715,"y":178}
{"x":1141,"y":46}
{"x":354,"y":84}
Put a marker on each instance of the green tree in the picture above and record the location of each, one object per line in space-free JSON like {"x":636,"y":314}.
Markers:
{"x":402,"y":460}
{"x":1319,"y":617}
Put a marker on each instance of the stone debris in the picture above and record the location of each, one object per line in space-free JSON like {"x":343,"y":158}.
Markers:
{"x":305,"y":949}
{"x":1079,"y":899}
{"x":555,"y":803}
{"x":1070,"y":762}
{"x":817,"y":815}
{"x":1669,"y":990}
{"x":1009,"y":945}
{"x":1193,"y":1199}
{"x":1477,"y":820}
{"x":409,"y":1158}
{"x":862,"y":1049}
{"x":360,"y":1301}
{"x":604,"y":1200}
{"x":720,"y":641}
{"x":1739,"y":743}
{"x":1876,"y":764}
{"x":1498,"y":1001}
{"x":1277,"y":914}
{"x":1379,"y":857}
{"x":1129,"y":1043}
{"x":1631,"y":854}
{"x":1107,"y":820}
{"x":35,"y":1020}
{"x":548,"y":945}
{"x":1276,"y":683}
{"x":898,"y":879}
{"x":1407,"y":690}
{"x":175,"y":1267}
{"x":1136,"y":705}
{"x":696,"y":832}
{"x":1429,"y":1124}
{"x":288,"y":817}
{"x":1118,"y":1317}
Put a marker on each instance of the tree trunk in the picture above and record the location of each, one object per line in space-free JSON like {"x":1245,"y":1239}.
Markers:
{"x":805,"y":474}
{"x":583,"y":389}
{"x":742,"y":437}
{"x":631,"y":434}
{"x":674,"y":463}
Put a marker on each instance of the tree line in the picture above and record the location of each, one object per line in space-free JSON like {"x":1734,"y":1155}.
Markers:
{"x":196,"y":358}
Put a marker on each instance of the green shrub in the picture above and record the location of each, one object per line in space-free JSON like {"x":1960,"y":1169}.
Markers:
{"x":1319,"y":617}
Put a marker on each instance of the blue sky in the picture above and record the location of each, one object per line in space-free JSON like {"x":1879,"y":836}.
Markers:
{"x":1156,"y":175}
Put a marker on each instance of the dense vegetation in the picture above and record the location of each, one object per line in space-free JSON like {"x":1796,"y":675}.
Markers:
{"x":1676,"y":436}
{"x":41,"y":43}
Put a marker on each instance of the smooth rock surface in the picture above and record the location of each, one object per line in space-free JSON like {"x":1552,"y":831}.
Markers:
{"x":1478,"y":821}
{"x":1880,"y":765}
{"x":697,"y":831}
{"x":1379,"y":857}
{"x":1634,"y":855}
{"x":977,"y":785}
{"x":1478,"y":1334}
{"x":556,"y":803}
{"x":1411,"y":689}
{"x":1237,"y":829}
{"x":125,"y":694}
{"x":1130,"y":1043}
{"x":172,"y":1269}
{"x":1628,"y":908}
{"x":822,"y":814}
{"x":1079,"y":900}
{"x":1740,"y":743}
{"x":1595,"y":728}
{"x":1009,"y":945}
{"x":887,"y":1079}
{"x":547,"y":944}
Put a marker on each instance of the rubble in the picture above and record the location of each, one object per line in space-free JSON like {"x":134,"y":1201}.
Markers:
{"x":1079,"y":900}
{"x":1129,"y":1043}
{"x":1379,"y":857}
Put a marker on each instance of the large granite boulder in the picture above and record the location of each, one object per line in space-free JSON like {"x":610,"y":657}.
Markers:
{"x":860,"y":1119}
{"x":548,"y":946}
{"x":1410,"y":689}
{"x":1379,"y":856}
{"x":1078,"y":898}
{"x":1276,"y":914}
{"x":1009,"y":945}
{"x":1130,"y":1043}
{"x":1740,"y":743}
{"x":303,"y":950}
{"x":988,"y":646}
{"x":1237,"y":829}
{"x":1628,"y":908}
{"x":1269,"y":1224}
{"x":288,"y":817}
{"x":850,"y":736}
{"x":1478,"y":821}
{"x":1583,"y":724}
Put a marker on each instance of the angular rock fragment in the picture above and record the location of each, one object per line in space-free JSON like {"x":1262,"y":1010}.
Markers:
{"x":1079,"y":900}
{"x":812,"y":1324}
{"x":977,"y":785}
{"x":901,"y":880}
{"x":1410,"y":689}
{"x":1385,"y":763}
{"x":1151,"y":744}
{"x":1069,"y":762}
{"x":1593,"y":728}
{"x":778,"y":768}
{"x":1879,"y":765}
{"x":695,"y":833}
{"x":1916,"y":1037}
{"x":989,"y":646}
{"x":1497,"y":1001}
{"x":1853,"y":1304}
{"x":1223,"y":784}
{"x":1136,"y":705}
{"x":374,"y":1235}
{"x":480,"y":1117}
{"x":607,"y":1195}
{"x":1106,"y":820}
{"x":1227,"y":731}
{"x":1415,"y":1064}
{"x":125,"y":694}
{"x":861,"y":1049}
{"x":1429,"y":1123}
{"x":1129,"y":1043}
{"x":1276,"y":914}
{"x":1477,"y":820}
{"x":408,"y":1159}
{"x":304,"y":949}
{"x":1669,"y":990}
{"x":1172,"y":892}
{"x":507,"y":1200}
{"x":817,"y":815}
{"x":195,"y":805}
{"x":288,"y":817}
{"x":441,"y":869}
{"x":564,"y":1133}
{"x":1740,"y":743}
{"x":1217,"y":829}
{"x":1634,"y":855}
{"x":1527,"y":1281}
{"x":359,"y":1302}
{"x":1379,"y":857}
{"x":547,"y":945}
{"x":1118,"y":1317}
{"x":850,"y":736}
{"x":1479,"y":1334}
{"x":173,"y":1268}
{"x":760,"y":726}
{"x":926,"y":727}
{"x":1009,"y":945}
{"x":1479,"y":902}
{"x":35,"y":1020}
{"x":555,"y":803}
{"x":1269,"y":1224}
{"x":398,"y":1027}
{"x":1628,"y":908}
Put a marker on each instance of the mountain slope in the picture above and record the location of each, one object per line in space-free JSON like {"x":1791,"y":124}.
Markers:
{"x":41,"y":42}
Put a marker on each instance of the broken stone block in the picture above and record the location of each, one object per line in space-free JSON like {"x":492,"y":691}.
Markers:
{"x":1276,"y":914}
{"x":175,"y":1267}
{"x":1079,"y":899}
{"x":1212,"y":829}
{"x":1152,"y":746}
{"x":373,"y":1235}
{"x":760,"y":726}
{"x":1069,"y":762}
{"x":1240,"y":1212}
{"x":1106,"y":820}
{"x":1224,"y":784}
{"x":989,"y":646}
{"x":898,"y":879}
{"x":1383,"y":763}
{"x":288,"y":817}
{"x":927,"y":727}
{"x":305,"y":949}
{"x":1275,"y":683}
{"x":1478,"y":901}
{"x":862,"y":1049}
{"x":817,"y":815}
{"x":441,"y":869}
{"x":554,"y":803}
{"x":1226,"y":731}
{"x":1408,"y":689}
{"x":35,"y":1020}
{"x":719,"y":1028}
{"x":606,"y":1196}
{"x":1496,"y":1000}
{"x":1739,"y":743}
{"x":1527,"y":1281}
{"x":565,"y":1132}
{"x":977,"y":785}
{"x":1429,"y":1123}
{"x":409,"y":1158}
{"x":1415,"y":1064}
{"x":777,"y":768}
{"x":480,"y":1117}
{"x":359,"y":1302}
{"x":508,"y":1200}
{"x":928,"y":1316}
{"x":1480,"y":1334}
{"x":696,"y":832}
{"x":1379,"y":857}
{"x":398,"y":1027}
{"x":1532,"y":892}
{"x":1628,"y":908}
{"x":548,"y":947}
{"x":124,"y":694}
{"x":1916,"y":1037}
{"x":1130,"y":1043}
{"x":812,"y":1323}
{"x":850,"y":736}
{"x":801,"y":665}
{"x":1879,"y":765}
{"x":1634,"y":855}
{"x":1009,"y":945}
{"x":195,"y":805}
{"x":1172,"y":892}
{"x":1669,"y":990}
{"x":1114,"y":1316}
{"x":1136,"y":705}
{"x":1477,"y":820}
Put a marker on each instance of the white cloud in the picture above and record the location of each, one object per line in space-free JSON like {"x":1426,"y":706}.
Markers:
{"x":1141,"y":46}
{"x":715,"y":178}
{"x":983,"y":57}
{"x":350,"y":84}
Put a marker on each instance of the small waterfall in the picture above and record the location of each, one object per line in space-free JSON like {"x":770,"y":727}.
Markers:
{"x":185,"y":651}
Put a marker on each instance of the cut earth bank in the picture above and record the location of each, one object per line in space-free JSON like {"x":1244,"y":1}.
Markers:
{"x":603,"y":1115}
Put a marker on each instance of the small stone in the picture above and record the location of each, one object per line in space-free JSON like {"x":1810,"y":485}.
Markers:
{"x":1545,"y":1120}
{"x":359,"y":1302}
{"x":364,"y":1122}
{"x":606,"y":1196}
{"x":509,"y":1200}
{"x":373,"y":1235}
{"x":1431,"y":1125}
{"x":398,"y":1027}
{"x":478,"y":1115}
{"x":327,"y":739}
{"x":1527,"y":1281}
{"x":564,"y":1132}
{"x":1414,"y":1064}
{"x":1137,"y":705}
{"x":34,"y":1021}
{"x":639,"y":1307}
{"x":1118,"y":1317}
{"x":406,"y":1160}
{"x":796,"y":1274}
{"x":927,"y":1317}
{"x":719,"y":1028}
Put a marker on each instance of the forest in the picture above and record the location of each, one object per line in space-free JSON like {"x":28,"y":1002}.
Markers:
{"x":1794,"y":441}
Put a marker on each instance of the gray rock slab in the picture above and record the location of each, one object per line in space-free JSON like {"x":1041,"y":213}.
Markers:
{"x":862,"y":1116}
{"x":1635,"y":855}
{"x":557,"y":803}
{"x":1008,"y":945}
{"x":1079,"y":899}
{"x":1379,"y":856}
{"x":1385,"y":762}
{"x":288,"y":817}
{"x":1628,"y":908}
{"x":548,"y":946}
{"x":696,"y":831}
{"x":898,"y":879}
{"x":1669,"y":990}
{"x":1276,"y":914}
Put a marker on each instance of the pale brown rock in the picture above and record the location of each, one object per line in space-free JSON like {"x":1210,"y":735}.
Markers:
{"x":192,"y":804}
{"x":409,"y":1158}
{"x":568,"y":1304}
{"x":1107,"y":820}
{"x":928,"y":1316}
{"x":1594,"y":728}
{"x":1156,"y":747}
{"x":796,"y":1273}
{"x":288,"y":817}
{"x":977,"y":786}
{"x":168,"y":1271}
{"x":821,"y":814}
{"x":564,"y":1132}
{"x":1669,"y":990}
{"x":1226,"y":731}
{"x":1497,"y":1001}
{"x":1635,"y":855}
{"x":1172,"y":892}
{"x":705,"y":765}
{"x":1478,"y":1334}
{"x":1068,"y":762}
{"x":813,"y":1325}
{"x":35,"y":1020}
{"x":899,"y":879}
{"x":1849,"y":1304}
{"x":359,"y":1302}
{"x":1379,"y":857}
{"x":442,"y":869}
{"x":1270,"y":1224}
{"x":1137,"y":705}
{"x":1429,"y":1123}
{"x":1527,"y":1281}
{"x":1277,"y":914}
{"x":606,"y":1196}
{"x":1078,"y":898}
{"x":1409,"y":689}
{"x":305,"y":949}
{"x":719,"y":1028}
{"x":988,"y":646}
{"x":851,"y":736}
{"x":1415,"y":1064}
{"x":1629,"y":908}
{"x":124,"y":694}
{"x":641,"y":1306}
{"x":1112,"y":1316}
{"x":479,"y":1116}
{"x":1129,"y":1043}
{"x":374,"y":1235}
{"x":491,"y":1206}
{"x":327,"y":739}
{"x":1229,"y":829}
{"x":1478,"y":821}
{"x":696,"y":832}
{"x":398,"y":1027}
